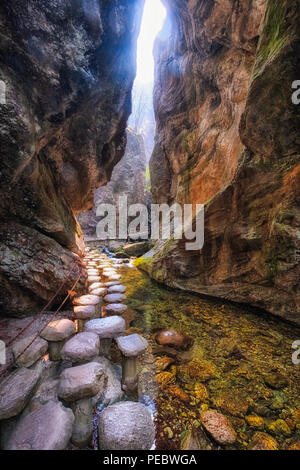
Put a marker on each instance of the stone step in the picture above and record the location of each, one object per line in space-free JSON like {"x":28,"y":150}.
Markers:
{"x":80,"y":382}
{"x":107,"y":327}
{"x":92,"y":279}
{"x":47,"y":428}
{"x":81,"y":348}
{"x":59,"y":330}
{"x":84,"y":312}
{"x":119,"y":289}
{"x":87,"y":300}
{"x":132,"y":345}
{"x":114,"y":298}
{"x":96,"y":285}
{"x":111,"y":283}
{"x":100,"y":291}
{"x":115,"y":309}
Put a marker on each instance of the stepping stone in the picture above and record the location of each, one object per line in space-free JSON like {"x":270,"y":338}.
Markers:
{"x":84,"y":312}
{"x":82,"y":347}
{"x":59,"y":330}
{"x":107,"y":327}
{"x":132,"y":345}
{"x":134,"y":430}
{"x":114,"y":298}
{"x":96,"y":285}
{"x":47,"y":428}
{"x":100,"y":291}
{"x":32,"y":354}
{"x":112,"y":283}
{"x":16,"y":391}
{"x":119,"y":289}
{"x":115,"y":277}
{"x":93,"y":272}
{"x":80,"y":382}
{"x":117,"y":309}
{"x":92,"y":279}
{"x":87,"y":300}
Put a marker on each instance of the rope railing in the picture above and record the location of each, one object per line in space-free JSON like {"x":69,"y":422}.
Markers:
{"x":9,"y":366}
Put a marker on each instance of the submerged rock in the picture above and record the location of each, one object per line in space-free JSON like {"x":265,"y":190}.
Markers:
{"x":174,"y":339}
{"x":47,"y":428}
{"x":135,"y":429}
{"x":262,"y":441}
{"x":219,"y":427}
{"x":197,"y":370}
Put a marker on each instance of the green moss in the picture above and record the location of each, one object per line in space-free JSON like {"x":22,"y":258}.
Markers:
{"x":275,"y":35}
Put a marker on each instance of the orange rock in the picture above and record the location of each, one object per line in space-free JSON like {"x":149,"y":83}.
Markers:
{"x":173,"y":338}
{"x":177,"y":392}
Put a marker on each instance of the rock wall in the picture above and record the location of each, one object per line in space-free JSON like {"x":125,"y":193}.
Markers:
{"x":67,"y":67}
{"x":128,"y":179}
{"x":228,"y":136}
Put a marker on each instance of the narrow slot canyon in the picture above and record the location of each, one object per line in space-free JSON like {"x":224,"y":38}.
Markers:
{"x":150,"y":225}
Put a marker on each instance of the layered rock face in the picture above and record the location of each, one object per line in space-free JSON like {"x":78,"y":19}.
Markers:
{"x":128,"y":179}
{"x":228,"y":136}
{"x":67,"y":69}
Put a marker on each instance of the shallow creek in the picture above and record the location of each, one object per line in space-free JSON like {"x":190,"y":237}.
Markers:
{"x":239,"y":363}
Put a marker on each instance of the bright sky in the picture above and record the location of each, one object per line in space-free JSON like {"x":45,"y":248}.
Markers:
{"x":153,"y":20}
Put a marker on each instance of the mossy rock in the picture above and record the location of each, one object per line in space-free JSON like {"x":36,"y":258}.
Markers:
{"x":196,"y":371}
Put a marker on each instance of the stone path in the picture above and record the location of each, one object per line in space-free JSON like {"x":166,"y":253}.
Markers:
{"x":52,"y":405}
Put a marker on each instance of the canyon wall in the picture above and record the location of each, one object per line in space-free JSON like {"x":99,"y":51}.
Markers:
{"x":127,"y":179}
{"x":228,"y":137}
{"x":66,"y":75}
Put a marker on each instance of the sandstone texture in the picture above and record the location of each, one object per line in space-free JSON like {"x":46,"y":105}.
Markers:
{"x":227,"y":137}
{"x":68,"y":69}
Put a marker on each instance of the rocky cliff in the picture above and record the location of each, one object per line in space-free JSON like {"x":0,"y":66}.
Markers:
{"x":228,"y":136}
{"x":128,"y":179}
{"x":66,"y":74}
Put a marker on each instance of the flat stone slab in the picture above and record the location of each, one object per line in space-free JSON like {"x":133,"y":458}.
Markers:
{"x":87,"y":300}
{"x":84,"y":312}
{"x":94,"y":279}
{"x":119,"y":289}
{"x":80,"y":382}
{"x":99,"y":291}
{"x":96,"y":285}
{"x":108,"y":327}
{"x":134,"y":429}
{"x":132,"y":345}
{"x":82,"y":347}
{"x":59,"y":330}
{"x":32,"y":354}
{"x":112,"y":283}
{"x":117,"y":309}
{"x":93,"y":272}
{"x":114,"y":298}
{"x":16,"y":391}
{"x":115,"y":277}
{"x":47,"y":428}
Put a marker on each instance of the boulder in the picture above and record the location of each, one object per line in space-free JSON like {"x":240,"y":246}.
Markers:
{"x":112,"y":391}
{"x":108,"y":327}
{"x":173,"y":338}
{"x":59,"y":330}
{"x":47,"y":428}
{"x":82,"y":347}
{"x":115,"y":309}
{"x":16,"y":390}
{"x":80,"y":382}
{"x":33,"y":353}
{"x":135,"y":429}
{"x":99,"y":291}
{"x":114,"y":298}
{"x":219,"y":427}
{"x":132,"y":345}
{"x":137,"y":249}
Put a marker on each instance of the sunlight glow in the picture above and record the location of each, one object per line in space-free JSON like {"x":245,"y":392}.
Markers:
{"x":153,"y":20}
